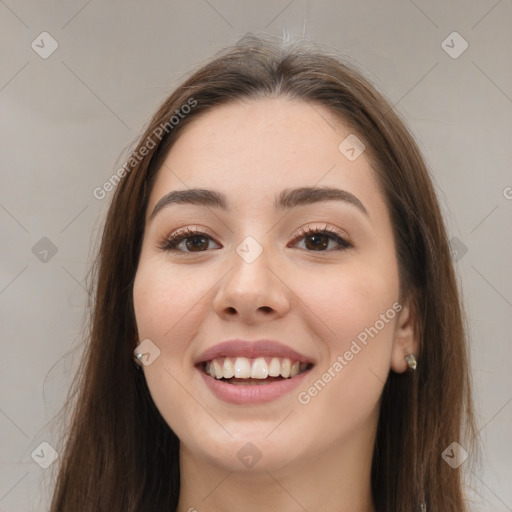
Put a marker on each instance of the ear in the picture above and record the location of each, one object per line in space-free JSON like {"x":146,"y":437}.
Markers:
{"x":406,"y":337}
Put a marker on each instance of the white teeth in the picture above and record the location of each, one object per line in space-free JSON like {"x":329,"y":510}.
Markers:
{"x":286,"y":366}
{"x":228,"y":368}
{"x":295,"y":369}
{"x":258,"y":368}
{"x":218,"y":369}
{"x":242,"y":368}
{"x":274,"y":368}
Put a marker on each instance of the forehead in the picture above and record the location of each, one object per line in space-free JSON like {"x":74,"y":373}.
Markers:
{"x":254,"y":149}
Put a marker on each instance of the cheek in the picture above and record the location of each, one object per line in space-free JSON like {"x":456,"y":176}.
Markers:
{"x":349,"y":300}
{"x":164,"y":298}
{"x":358,"y":310}
{"x":166,"y":305}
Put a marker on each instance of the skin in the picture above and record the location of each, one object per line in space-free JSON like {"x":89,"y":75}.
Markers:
{"x":315,"y":456}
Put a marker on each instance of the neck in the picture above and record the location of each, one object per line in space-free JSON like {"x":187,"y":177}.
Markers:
{"x":337,"y":479}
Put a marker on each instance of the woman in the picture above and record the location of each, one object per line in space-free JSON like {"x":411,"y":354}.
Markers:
{"x":277,"y":324}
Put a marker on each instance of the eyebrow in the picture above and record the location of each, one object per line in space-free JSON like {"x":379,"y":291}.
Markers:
{"x":286,"y":199}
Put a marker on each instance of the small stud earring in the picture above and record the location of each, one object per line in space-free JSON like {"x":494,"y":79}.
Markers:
{"x":411,"y":361}
{"x":138,"y":360}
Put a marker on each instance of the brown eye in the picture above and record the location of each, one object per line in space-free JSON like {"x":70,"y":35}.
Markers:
{"x":194,"y":241}
{"x":318,"y":239}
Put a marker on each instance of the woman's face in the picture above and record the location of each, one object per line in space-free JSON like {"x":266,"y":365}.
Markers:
{"x":314,"y":273}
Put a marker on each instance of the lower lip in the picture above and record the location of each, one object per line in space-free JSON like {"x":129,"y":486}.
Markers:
{"x":255,"y":394}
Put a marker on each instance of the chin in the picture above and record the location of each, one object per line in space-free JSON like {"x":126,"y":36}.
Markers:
{"x":249,"y":453}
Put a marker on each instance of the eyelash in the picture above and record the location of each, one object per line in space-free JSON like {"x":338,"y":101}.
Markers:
{"x":169,"y":243}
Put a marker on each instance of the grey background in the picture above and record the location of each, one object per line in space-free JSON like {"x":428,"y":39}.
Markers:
{"x":67,"y":121}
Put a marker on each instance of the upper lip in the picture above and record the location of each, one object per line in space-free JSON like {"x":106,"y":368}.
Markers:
{"x":251,"y":349}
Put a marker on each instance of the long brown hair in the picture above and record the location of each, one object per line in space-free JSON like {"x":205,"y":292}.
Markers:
{"x":120,"y":454}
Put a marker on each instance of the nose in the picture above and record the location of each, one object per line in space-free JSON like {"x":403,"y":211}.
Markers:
{"x":252,"y":291}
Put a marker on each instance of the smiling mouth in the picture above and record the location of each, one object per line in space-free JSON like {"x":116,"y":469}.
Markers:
{"x":245,"y":371}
